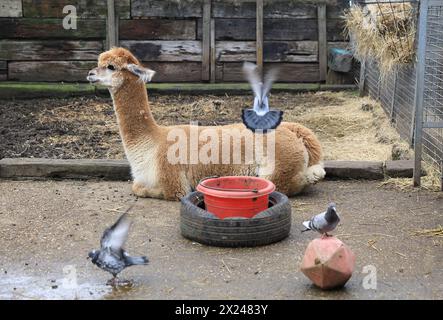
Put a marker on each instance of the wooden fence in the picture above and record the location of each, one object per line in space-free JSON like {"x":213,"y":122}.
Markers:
{"x":184,"y":41}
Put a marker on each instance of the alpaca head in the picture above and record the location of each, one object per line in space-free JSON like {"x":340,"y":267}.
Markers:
{"x":117,"y":66}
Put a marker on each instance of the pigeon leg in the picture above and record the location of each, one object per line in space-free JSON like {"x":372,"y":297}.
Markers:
{"x":112,"y":282}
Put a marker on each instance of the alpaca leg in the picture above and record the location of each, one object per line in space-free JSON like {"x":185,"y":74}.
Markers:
{"x":315,"y":173}
{"x":143,"y":192}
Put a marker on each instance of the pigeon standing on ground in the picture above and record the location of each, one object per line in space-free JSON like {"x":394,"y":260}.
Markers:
{"x":260,"y":117}
{"x":112,"y":257}
{"x":324,"y":222}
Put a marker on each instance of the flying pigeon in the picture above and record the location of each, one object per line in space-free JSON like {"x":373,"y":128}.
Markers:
{"x":323,"y":222}
{"x":260,"y":117}
{"x":112,"y":257}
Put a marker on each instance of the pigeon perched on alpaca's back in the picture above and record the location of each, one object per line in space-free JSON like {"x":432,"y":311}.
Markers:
{"x":112,"y":257}
{"x":260,"y":117}
{"x":324,"y":222}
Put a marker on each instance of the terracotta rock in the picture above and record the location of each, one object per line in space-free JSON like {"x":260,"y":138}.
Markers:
{"x":328,"y":262}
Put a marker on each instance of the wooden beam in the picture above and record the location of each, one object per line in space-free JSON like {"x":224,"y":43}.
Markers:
{"x":419,"y":91}
{"x":213,"y":51}
{"x":322,"y":42}
{"x":361,"y":83}
{"x":259,"y":36}
{"x":111,"y":27}
{"x":206,"y":41}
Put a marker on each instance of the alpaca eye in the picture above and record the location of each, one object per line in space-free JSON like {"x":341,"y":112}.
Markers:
{"x":111,"y":67}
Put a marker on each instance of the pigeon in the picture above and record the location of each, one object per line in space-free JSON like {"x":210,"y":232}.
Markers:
{"x":260,"y":117}
{"x":112,"y":257}
{"x":323,"y":222}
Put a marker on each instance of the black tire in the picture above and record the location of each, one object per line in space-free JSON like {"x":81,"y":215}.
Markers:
{"x":269,"y":226}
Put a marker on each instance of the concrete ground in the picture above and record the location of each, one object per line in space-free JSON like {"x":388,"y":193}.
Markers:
{"x":47,"y":228}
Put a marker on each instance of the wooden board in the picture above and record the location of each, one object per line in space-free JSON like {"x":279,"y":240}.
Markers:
{"x":162,"y":8}
{"x":85,"y":8}
{"x":275,"y":29}
{"x":157,"y":29}
{"x":175,"y":71}
{"x":322,"y":42}
{"x":68,"y":71}
{"x":50,"y":50}
{"x":274,"y":9}
{"x":11,"y":8}
{"x":165,"y":50}
{"x":3,"y":65}
{"x":206,"y":40}
{"x":274,"y":51}
{"x":50,"y":28}
{"x":289,"y":72}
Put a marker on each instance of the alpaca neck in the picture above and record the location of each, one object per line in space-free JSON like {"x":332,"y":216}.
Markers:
{"x":134,"y":116}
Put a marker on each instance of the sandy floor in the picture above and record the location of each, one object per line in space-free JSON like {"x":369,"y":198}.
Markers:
{"x":45,"y":235}
{"x":86,"y":127}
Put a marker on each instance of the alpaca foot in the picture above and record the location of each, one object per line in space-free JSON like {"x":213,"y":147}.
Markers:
{"x":143,"y":192}
{"x":315,"y":173}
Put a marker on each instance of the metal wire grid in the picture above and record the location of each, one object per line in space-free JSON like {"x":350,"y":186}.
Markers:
{"x":433,"y":88}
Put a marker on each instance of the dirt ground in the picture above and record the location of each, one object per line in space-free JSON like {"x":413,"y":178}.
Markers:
{"x":86,"y":127}
{"x":45,"y":237}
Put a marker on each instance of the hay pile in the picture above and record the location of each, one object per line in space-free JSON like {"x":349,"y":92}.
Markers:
{"x":384,"y":31}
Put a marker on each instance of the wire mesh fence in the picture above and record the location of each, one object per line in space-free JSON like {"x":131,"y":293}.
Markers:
{"x":397,"y":94}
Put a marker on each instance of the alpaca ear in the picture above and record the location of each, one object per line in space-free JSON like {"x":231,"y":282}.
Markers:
{"x":143,"y":73}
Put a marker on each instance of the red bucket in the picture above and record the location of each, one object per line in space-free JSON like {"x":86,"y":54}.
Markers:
{"x":229,"y":197}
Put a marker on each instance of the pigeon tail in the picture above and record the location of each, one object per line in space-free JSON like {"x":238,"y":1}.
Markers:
{"x":307,"y":225}
{"x":137,"y":260}
{"x":270,"y":120}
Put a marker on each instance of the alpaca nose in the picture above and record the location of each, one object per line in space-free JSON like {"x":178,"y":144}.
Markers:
{"x":92,"y":72}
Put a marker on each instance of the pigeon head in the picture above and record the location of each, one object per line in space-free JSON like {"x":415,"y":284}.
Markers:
{"x":94,"y":255}
{"x":331,"y":214}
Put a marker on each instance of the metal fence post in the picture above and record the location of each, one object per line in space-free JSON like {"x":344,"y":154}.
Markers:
{"x":259,"y":37}
{"x":419,"y":90}
{"x":361,"y":83}
{"x":392,"y":113}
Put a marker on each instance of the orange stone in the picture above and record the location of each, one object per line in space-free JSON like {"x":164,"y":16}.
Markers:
{"x":328,"y":262}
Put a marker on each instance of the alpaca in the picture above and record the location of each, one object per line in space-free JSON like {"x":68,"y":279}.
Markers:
{"x":296,"y":162}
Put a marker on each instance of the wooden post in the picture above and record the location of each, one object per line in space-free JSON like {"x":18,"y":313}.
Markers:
{"x":419,"y":90}
{"x":322,"y":42}
{"x":259,"y":37}
{"x":111,"y":26}
{"x":361,"y":83}
{"x":206,"y":42}
{"x":213,"y":51}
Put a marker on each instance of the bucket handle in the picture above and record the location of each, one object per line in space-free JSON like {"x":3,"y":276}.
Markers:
{"x":224,"y":189}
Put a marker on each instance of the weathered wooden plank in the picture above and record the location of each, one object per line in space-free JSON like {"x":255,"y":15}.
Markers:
{"x":66,"y":169}
{"x":85,"y":8}
{"x":322,"y":42}
{"x":3,"y":77}
{"x":11,"y":8}
{"x":157,"y":29}
{"x":289,"y":72}
{"x":213,"y":52}
{"x":3,"y":65}
{"x":111,"y":27}
{"x":68,"y":71}
{"x":50,"y":28}
{"x":176,"y":71}
{"x":206,"y":40}
{"x":49,"y":50}
{"x":170,"y":9}
{"x":187,"y":50}
{"x":275,"y":29}
{"x":259,"y":37}
{"x":272,"y":9}
{"x":273,"y":51}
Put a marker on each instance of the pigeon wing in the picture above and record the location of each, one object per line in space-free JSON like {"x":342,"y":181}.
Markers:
{"x":115,"y":236}
{"x":270,"y":77}
{"x":269,"y":121}
{"x":250,"y":71}
{"x":319,"y":222}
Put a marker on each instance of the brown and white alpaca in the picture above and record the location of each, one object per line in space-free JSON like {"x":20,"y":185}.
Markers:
{"x":297,"y":152}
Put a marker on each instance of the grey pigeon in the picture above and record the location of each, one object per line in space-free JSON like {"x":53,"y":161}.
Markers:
{"x":260,"y":117}
{"x":112,"y":257}
{"x":324,"y":222}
